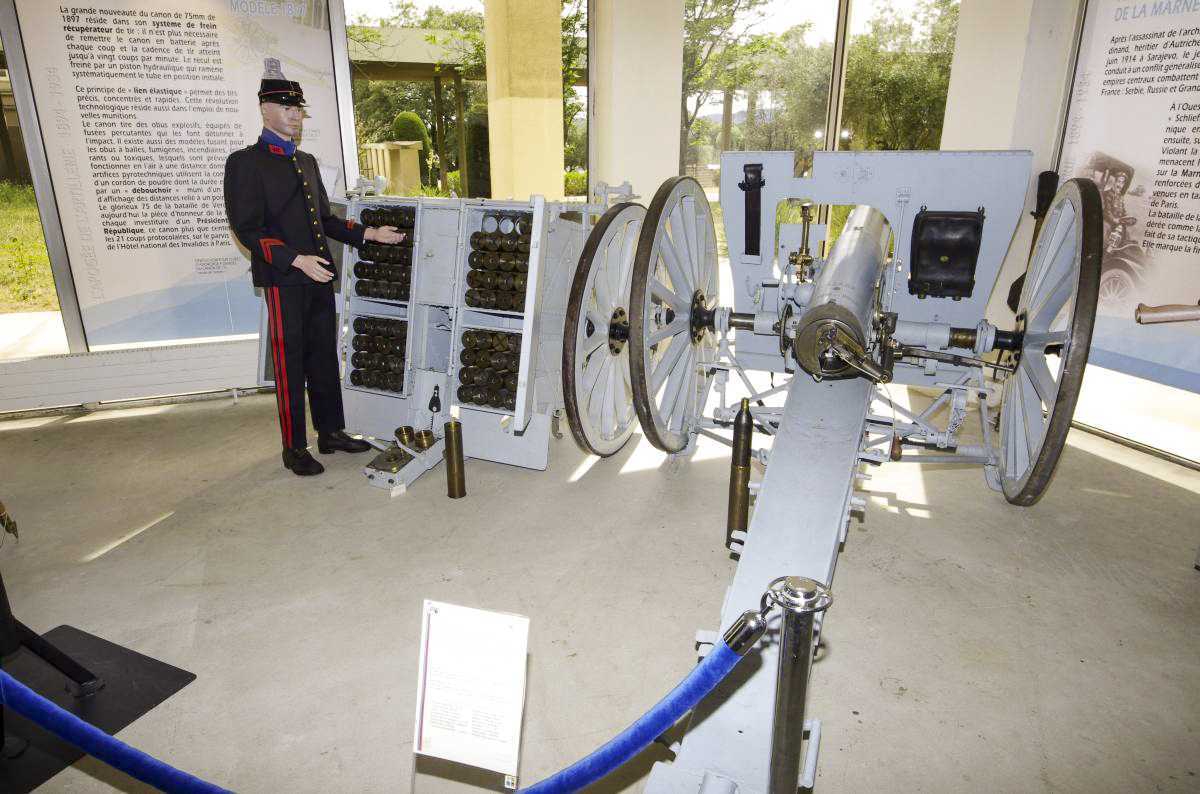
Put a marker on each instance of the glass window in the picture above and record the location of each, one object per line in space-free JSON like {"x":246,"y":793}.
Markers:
{"x":897,"y":74}
{"x":419,"y":75}
{"x":30,"y":321}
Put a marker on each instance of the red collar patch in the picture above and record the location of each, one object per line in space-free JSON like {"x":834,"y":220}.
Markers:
{"x":273,"y":149}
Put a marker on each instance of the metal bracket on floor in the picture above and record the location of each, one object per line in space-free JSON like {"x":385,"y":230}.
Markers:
{"x":397,"y":467}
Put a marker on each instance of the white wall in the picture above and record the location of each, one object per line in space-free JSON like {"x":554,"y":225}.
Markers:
{"x":637,"y":82}
{"x":1008,"y":88}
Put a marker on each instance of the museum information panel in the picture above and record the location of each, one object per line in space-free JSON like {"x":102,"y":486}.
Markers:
{"x":139,"y":104}
{"x":471,"y":687}
{"x":1134,"y":128}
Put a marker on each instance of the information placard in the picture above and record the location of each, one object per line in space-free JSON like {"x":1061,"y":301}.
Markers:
{"x":1134,"y":128}
{"x":471,"y":686}
{"x":139,"y":104}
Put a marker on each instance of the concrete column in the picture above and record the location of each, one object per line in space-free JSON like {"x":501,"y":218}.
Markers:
{"x":524,"y":83}
{"x":1008,"y":90}
{"x":637,"y":82}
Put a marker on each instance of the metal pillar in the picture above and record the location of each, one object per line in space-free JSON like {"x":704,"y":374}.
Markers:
{"x":801,"y":600}
{"x":460,"y":116}
{"x":439,"y":131}
{"x":837,"y":79}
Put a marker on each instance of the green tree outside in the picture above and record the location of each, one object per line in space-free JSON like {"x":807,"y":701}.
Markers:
{"x":897,"y":77}
{"x":715,"y":42}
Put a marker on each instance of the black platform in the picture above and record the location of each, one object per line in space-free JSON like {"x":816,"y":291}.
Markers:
{"x":134,"y":684}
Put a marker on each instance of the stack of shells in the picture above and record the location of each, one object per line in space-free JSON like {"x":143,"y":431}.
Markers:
{"x":385,"y":271}
{"x":379,"y":345}
{"x":488,"y":375}
{"x":499,"y":261}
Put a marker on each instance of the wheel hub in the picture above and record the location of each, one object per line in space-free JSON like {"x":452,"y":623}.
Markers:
{"x":1011,"y":354}
{"x":702,"y":318}
{"x":618,"y":331}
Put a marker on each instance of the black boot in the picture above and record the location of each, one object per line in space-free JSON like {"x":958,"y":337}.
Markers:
{"x":338,"y":441}
{"x":301,"y":462}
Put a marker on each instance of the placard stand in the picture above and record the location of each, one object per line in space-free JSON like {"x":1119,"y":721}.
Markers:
{"x":471,"y":691}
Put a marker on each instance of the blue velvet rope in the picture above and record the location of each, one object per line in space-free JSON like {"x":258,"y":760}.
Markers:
{"x":625,"y":745}
{"x":96,"y":742}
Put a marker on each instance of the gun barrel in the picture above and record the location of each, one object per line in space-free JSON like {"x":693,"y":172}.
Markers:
{"x":843,"y":299}
{"x":1168,"y":313}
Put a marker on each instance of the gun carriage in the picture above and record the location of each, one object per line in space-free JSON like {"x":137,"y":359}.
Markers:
{"x":900,"y":298}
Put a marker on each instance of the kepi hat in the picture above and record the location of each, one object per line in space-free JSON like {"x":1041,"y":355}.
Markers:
{"x":277,"y":88}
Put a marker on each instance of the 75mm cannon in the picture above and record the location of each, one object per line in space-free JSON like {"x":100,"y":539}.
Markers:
{"x":813,"y":340}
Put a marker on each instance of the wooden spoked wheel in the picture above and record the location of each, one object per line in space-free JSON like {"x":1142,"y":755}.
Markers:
{"x":597,"y":393}
{"x":672,"y":303}
{"x":1055,"y":316}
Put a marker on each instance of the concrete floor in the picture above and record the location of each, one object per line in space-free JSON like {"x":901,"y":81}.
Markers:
{"x":972,"y":646}
{"x":31,"y":334}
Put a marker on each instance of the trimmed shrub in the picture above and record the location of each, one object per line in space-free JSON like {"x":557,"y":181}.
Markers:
{"x":575,"y":183}
{"x":407,"y":126}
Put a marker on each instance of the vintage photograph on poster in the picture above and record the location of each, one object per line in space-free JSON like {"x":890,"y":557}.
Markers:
{"x":1133,"y":127}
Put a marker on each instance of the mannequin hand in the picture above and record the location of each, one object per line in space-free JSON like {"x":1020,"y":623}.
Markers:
{"x":311,"y":265}
{"x":383,"y":234}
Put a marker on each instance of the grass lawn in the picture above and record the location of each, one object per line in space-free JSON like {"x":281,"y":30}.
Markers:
{"x":26,"y":284}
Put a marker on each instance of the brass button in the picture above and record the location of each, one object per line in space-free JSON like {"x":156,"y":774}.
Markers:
{"x":314,"y":223}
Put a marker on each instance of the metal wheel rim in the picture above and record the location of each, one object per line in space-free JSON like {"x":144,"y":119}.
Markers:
{"x":597,"y":393}
{"x":676,"y":257}
{"x":1057,"y":307}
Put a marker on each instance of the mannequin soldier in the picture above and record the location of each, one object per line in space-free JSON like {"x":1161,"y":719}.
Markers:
{"x":279,"y":210}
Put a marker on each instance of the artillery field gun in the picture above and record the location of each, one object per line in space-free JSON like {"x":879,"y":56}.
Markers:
{"x":802,"y":352}
{"x":899,"y":298}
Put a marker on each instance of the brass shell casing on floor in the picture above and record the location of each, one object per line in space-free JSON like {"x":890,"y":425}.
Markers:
{"x":456,"y":482}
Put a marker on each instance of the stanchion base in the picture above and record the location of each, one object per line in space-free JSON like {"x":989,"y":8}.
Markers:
{"x":13,"y":747}
{"x":134,"y":684}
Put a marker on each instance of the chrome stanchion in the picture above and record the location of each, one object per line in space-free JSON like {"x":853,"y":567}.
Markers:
{"x":800,"y":600}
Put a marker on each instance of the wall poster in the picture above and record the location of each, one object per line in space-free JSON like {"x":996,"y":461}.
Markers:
{"x":139,"y":105}
{"x":1134,"y":127}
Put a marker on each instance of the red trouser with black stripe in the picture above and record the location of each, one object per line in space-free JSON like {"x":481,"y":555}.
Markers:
{"x":303,"y":337}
